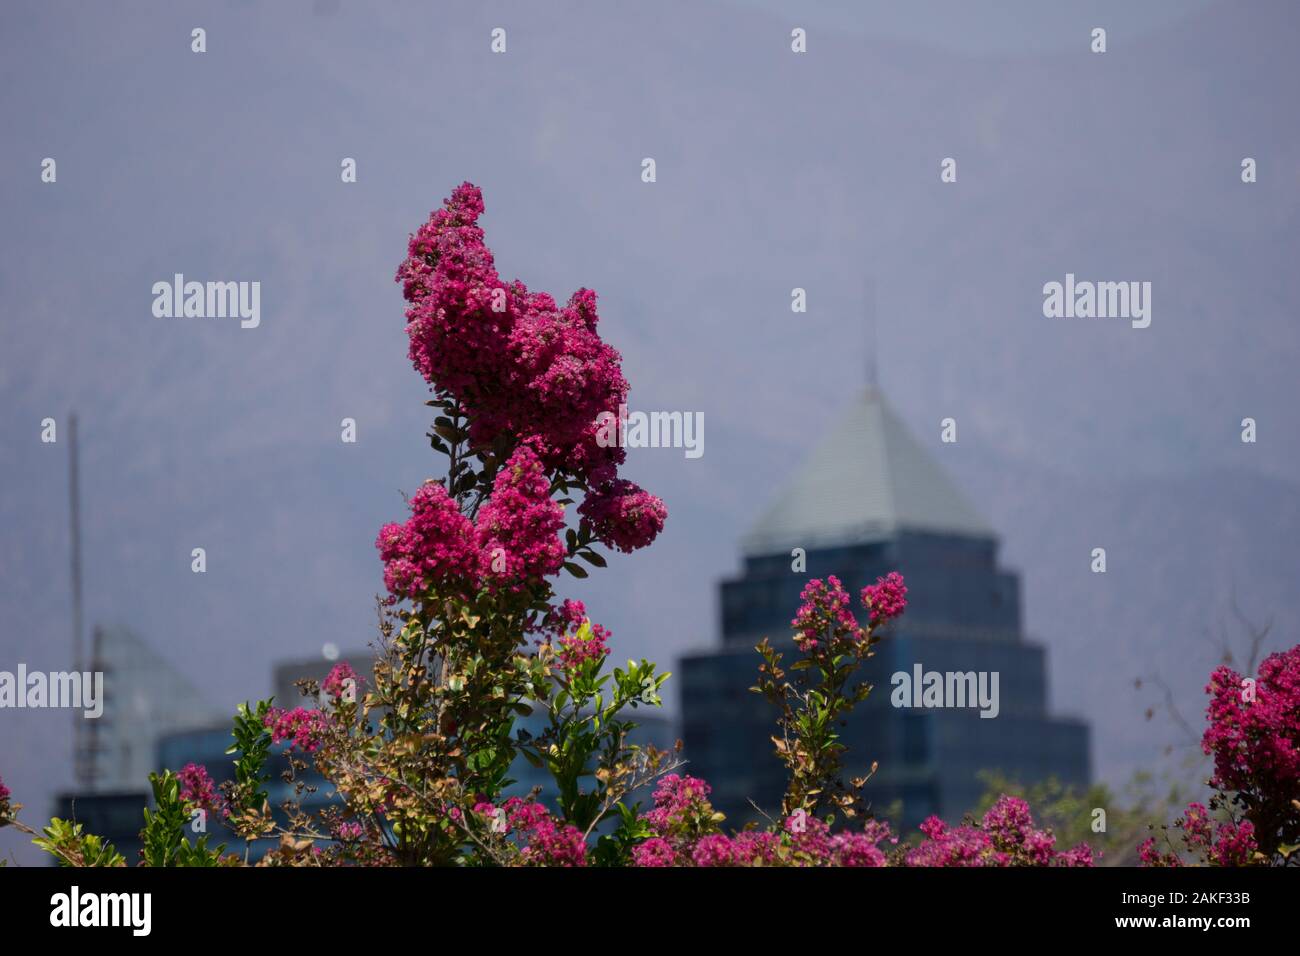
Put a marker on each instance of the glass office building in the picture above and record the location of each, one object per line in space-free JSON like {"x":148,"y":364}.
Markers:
{"x":872,"y":500}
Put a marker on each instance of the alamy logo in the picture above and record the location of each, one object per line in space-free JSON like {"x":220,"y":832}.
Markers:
{"x":651,"y":430}
{"x":1098,"y":300}
{"x":102,"y":909}
{"x":923,"y":688}
{"x":209,"y":300}
{"x":83,"y":691}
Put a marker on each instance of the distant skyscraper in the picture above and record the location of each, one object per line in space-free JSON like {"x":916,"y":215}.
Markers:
{"x":145,"y":699}
{"x":871,"y":500}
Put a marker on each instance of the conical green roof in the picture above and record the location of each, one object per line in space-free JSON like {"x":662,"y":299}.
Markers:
{"x":867,"y":479}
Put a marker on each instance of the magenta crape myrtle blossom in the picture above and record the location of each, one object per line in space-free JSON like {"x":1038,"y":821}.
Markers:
{"x":563,"y":618}
{"x":539,"y":838}
{"x":528,"y":376}
{"x":1005,"y":837}
{"x":624,"y":516}
{"x":825,"y":616}
{"x":679,"y":803}
{"x":197,"y":789}
{"x":1255,"y":742}
{"x":517,"y":530}
{"x":348,"y":831}
{"x":577,"y":649}
{"x":301,"y":727}
{"x":686,"y":834}
{"x":887,"y":598}
{"x":518,"y":363}
{"x":1215,"y":842}
{"x":434,"y":547}
{"x":826,"y":619}
{"x":336,"y":683}
{"x":1253,"y":734}
{"x":1224,"y":843}
{"x":654,"y":852}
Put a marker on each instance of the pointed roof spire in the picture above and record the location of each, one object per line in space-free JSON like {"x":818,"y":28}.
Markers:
{"x":869,"y":312}
{"x":868,"y":479}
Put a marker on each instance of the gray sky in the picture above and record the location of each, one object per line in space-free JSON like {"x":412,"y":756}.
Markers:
{"x":775,"y":170}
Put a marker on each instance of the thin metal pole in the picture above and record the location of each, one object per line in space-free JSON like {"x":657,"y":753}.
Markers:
{"x":869,"y":309}
{"x":81,"y":769}
{"x":74,"y":493}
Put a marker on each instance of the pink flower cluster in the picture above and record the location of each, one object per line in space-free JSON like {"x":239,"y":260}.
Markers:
{"x":686,"y":835}
{"x":811,"y":843}
{"x":576,"y":651}
{"x":543,"y":841}
{"x":563,"y":618}
{"x":515,"y":360}
{"x":198,"y":790}
{"x":886,"y":599}
{"x":1256,"y":743}
{"x":514,"y":542}
{"x":302,"y":727}
{"x":349,"y":831}
{"x":336,"y":684}
{"x":517,"y":530}
{"x":521,"y":367}
{"x":4,"y":801}
{"x":1253,"y":734}
{"x":1150,"y":856}
{"x":824,"y":616}
{"x":748,"y":848}
{"x":435,"y":545}
{"x":1005,"y":837}
{"x":654,"y":852}
{"x":1223,"y":843}
{"x":681,"y":805}
{"x":624,"y":516}
{"x":862,"y":848}
{"x":1216,"y":842}
{"x":825,"y":621}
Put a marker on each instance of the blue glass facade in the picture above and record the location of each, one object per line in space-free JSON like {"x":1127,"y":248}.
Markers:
{"x":963,"y":616}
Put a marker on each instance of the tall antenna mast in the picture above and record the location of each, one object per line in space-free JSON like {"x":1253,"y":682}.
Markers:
{"x":869,"y":310}
{"x":83,"y":771}
{"x":74,"y":494}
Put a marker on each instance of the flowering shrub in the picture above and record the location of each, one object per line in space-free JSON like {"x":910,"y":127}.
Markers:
{"x":303,"y":728}
{"x":341,"y":682}
{"x":1253,"y":735}
{"x":1006,"y":836}
{"x":473,"y":636}
{"x":686,"y":833}
{"x":196,"y":789}
{"x":1215,"y":842}
{"x":523,"y":832}
{"x":822,"y":692}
